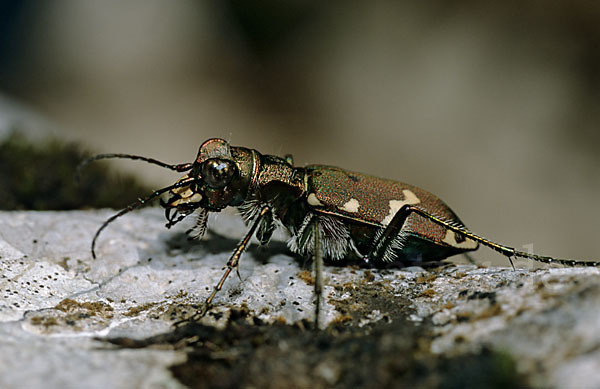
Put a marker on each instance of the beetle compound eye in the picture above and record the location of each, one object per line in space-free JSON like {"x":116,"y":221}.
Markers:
{"x":217,"y":173}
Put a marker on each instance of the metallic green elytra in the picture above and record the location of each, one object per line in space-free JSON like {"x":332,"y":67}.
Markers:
{"x":328,"y":212}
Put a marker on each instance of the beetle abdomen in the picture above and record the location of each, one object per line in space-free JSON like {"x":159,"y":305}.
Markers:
{"x":374,"y":201}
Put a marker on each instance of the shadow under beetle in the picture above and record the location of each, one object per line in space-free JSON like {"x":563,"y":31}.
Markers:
{"x":329,"y":212}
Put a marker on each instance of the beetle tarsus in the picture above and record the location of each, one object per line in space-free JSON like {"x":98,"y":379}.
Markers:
{"x":511,"y":262}
{"x":196,"y":317}
{"x":503,"y":249}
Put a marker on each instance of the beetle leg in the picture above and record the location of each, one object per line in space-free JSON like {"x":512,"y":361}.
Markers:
{"x":232,"y":263}
{"x":470,"y":258}
{"x":265,"y":230}
{"x":511,"y":262}
{"x":507,"y":251}
{"x":390,"y":232}
{"x":199,"y":229}
{"x":318,"y":272}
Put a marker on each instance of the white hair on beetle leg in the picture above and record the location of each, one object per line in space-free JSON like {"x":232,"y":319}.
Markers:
{"x":397,"y":244}
{"x":199,"y":228}
{"x":334,"y":237}
{"x":250,"y":209}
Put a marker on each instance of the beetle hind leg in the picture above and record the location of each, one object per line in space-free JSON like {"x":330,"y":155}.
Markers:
{"x":507,"y":251}
{"x":390,"y":238}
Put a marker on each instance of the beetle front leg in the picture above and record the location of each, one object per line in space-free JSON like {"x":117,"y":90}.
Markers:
{"x":232,"y":263}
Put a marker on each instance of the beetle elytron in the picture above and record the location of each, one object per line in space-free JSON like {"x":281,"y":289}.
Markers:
{"x":329,"y":212}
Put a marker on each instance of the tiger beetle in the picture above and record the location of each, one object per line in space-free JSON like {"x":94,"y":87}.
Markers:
{"x":329,"y":212}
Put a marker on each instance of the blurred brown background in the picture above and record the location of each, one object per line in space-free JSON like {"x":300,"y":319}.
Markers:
{"x":493,"y":106}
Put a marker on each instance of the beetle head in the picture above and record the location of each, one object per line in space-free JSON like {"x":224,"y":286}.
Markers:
{"x":220,"y":177}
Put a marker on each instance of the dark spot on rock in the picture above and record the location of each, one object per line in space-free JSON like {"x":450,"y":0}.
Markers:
{"x":484,"y":295}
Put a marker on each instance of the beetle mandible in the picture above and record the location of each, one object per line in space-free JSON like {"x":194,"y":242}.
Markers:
{"x":329,"y":212}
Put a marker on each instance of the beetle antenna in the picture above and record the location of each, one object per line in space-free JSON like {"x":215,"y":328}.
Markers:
{"x":502,"y":249}
{"x":135,"y":205}
{"x":182,"y":167}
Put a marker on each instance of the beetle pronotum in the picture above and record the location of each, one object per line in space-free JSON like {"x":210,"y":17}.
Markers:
{"x":328,"y":211}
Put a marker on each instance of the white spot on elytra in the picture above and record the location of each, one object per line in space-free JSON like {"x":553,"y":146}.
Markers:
{"x":314,"y":201}
{"x":409,"y":198}
{"x":450,"y":239}
{"x":351,"y":206}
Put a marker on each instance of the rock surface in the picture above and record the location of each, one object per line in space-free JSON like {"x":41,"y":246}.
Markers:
{"x":58,"y":303}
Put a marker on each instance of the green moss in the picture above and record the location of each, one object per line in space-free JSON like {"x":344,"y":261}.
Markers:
{"x":39,"y":176}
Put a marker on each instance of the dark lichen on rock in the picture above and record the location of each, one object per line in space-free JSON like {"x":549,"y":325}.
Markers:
{"x":39,"y":175}
{"x":388,"y":351}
